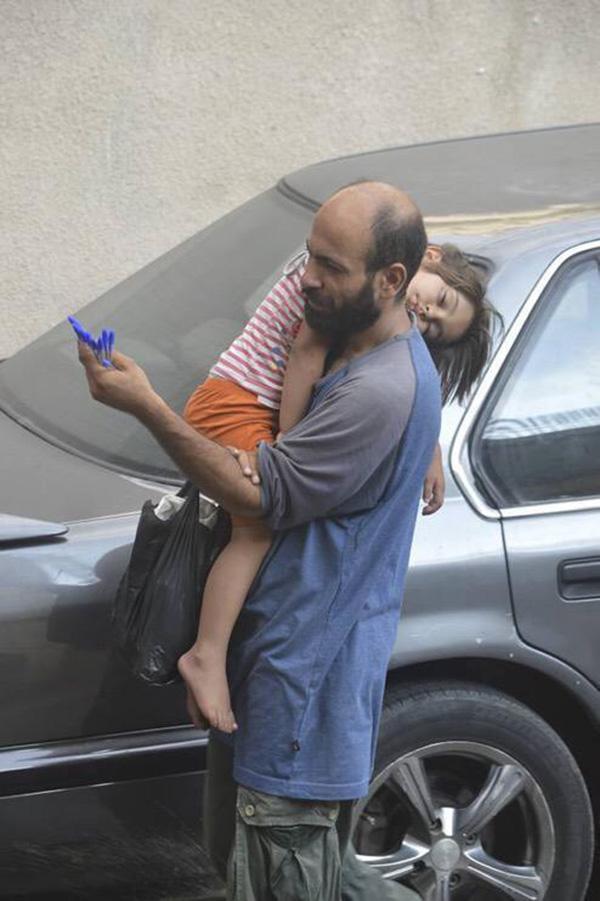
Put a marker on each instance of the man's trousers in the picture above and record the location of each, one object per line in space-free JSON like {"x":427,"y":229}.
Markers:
{"x":283,"y":849}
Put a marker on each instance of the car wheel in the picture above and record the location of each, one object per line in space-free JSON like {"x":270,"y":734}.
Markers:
{"x":475,"y":798}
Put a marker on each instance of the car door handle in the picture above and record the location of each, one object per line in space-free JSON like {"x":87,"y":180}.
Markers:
{"x":579,"y":579}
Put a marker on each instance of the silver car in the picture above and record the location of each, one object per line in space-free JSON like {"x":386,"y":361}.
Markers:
{"x":485,"y":783}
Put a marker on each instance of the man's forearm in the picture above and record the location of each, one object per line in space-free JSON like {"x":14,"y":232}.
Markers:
{"x":205,"y":463}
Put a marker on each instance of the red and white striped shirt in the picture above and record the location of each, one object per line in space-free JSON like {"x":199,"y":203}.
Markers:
{"x":258,"y":358}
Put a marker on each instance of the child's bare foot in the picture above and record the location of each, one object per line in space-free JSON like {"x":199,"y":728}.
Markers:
{"x":204,"y":674}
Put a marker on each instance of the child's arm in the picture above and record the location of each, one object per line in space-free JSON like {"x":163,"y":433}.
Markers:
{"x":434,"y":486}
{"x":305,"y":366}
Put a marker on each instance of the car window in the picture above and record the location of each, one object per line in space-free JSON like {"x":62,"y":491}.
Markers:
{"x":540,"y":440}
{"x":174,"y":317}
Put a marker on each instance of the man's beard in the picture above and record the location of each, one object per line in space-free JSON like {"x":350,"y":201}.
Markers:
{"x":355,"y":314}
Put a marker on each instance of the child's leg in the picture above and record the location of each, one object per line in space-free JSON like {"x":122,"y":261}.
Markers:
{"x":228,"y":583}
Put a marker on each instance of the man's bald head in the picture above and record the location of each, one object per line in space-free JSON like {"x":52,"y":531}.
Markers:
{"x":376,"y":193}
{"x":384,"y":221}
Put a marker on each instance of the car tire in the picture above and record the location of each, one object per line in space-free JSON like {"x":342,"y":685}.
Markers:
{"x":474,"y":798}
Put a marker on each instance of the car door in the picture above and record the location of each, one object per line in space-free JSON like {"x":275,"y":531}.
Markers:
{"x":535,"y":452}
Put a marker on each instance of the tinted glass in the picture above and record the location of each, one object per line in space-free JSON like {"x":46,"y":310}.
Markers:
{"x":541,"y":440}
{"x":174,"y":318}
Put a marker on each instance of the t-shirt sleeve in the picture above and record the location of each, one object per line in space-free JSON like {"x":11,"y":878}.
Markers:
{"x":339,"y":458}
{"x":282,"y":309}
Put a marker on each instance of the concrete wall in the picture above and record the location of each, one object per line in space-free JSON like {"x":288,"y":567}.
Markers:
{"x":127,"y":125}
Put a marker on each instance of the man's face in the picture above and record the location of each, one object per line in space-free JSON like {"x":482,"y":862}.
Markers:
{"x":341,"y":314}
{"x":341,"y":299}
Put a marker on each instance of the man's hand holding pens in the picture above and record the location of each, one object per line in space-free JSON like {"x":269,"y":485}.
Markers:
{"x":102,"y":346}
{"x":124,"y":386}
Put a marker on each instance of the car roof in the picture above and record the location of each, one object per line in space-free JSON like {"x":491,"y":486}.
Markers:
{"x":515,"y":173}
{"x":499,"y":197}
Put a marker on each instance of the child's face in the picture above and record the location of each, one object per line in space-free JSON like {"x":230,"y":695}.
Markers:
{"x":443,"y":313}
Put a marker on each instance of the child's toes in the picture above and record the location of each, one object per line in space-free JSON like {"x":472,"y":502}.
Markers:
{"x":226,"y":721}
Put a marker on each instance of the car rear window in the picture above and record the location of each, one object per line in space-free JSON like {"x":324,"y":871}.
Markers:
{"x":174,"y":317}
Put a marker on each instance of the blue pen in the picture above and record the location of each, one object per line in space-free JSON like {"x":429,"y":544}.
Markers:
{"x":81,"y":333}
{"x":77,"y":327}
{"x":102,"y":346}
{"x":109,"y":344}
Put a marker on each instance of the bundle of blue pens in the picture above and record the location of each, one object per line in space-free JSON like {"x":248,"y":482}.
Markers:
{"x":102,"y":346}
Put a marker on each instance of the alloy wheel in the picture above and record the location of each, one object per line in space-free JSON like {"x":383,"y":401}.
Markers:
{"x":459,"y":821}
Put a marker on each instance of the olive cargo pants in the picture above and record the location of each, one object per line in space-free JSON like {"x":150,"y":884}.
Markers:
{"x":282,"y":849}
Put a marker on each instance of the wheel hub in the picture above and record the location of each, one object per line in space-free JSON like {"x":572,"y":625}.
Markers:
{"x":451,"y":839}
{"x":445,"y":854}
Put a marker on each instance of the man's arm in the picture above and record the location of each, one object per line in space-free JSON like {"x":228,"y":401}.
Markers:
{"x":205,"y":463}
{"x":338,"y":459}
{"x":208,"y":465}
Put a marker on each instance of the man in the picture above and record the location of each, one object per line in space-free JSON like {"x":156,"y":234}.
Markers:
{"x":309,"y":653}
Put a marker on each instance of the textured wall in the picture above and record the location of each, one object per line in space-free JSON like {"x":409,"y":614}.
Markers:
{"x":127,"y":125}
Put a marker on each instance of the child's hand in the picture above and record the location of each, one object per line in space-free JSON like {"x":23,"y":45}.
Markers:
{"x":434,"y":486}
{"x":246,"y":460}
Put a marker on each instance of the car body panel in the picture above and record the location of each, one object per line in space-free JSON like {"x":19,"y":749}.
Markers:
{"x":456,"y":611}
{"x":476,"y":612}
{"x":60,"y":677}
{"x":41,"y":481}
{"x":19,"y":528}
{"x":536,"y":548}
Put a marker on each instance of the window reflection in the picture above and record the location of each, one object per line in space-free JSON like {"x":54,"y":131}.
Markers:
{"x":542,"y":439}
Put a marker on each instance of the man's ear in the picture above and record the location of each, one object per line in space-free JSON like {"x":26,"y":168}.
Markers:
{"x":393,"y":279}
{"x":433,"y":254}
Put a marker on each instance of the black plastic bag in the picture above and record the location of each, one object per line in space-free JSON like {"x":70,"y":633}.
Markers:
{"x":157,"y":605}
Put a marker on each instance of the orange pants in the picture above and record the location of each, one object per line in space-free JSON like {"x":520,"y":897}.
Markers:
{"x":230,"y":415}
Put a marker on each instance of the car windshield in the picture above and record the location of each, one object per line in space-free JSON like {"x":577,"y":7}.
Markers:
{"x":174,"y":318}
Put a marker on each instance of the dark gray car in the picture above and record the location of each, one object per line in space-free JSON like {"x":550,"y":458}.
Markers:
{"x":485,"y":781}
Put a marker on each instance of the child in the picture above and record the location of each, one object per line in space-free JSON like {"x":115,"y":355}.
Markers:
{"x":260,"y":388}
